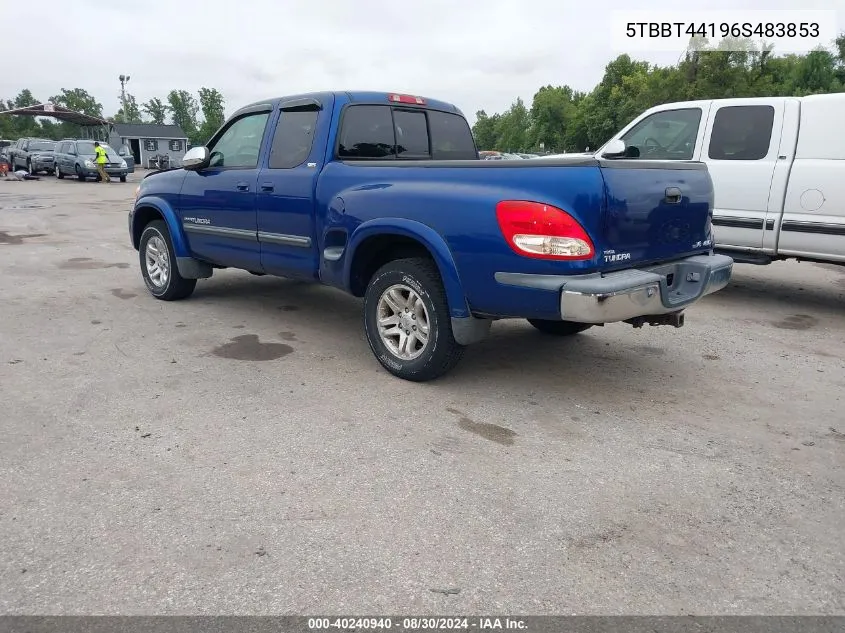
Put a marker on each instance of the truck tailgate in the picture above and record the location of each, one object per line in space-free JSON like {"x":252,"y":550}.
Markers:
{"x":655,"y":211}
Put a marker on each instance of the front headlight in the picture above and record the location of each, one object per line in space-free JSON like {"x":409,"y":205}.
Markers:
{"x":89,"y":164}
{"x":123,"y":164}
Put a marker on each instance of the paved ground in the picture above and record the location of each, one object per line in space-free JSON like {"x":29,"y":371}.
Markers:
{"x":243,"y":452}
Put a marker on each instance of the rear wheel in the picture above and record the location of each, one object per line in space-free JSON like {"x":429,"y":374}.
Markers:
{"x":559,"y":328}
{"x":158,"y":264}
{"x":407,"y":320}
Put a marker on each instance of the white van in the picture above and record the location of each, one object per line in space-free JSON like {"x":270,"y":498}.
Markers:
{"x":778,"y":169}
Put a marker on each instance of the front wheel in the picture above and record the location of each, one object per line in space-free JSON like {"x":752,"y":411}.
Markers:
{"x":79,"y":175}
{"x":158,"y":264}
{"x":59,"y":173}
{"x":407,"y":321}
{"x":29,"y":168}
{"x":123,"y":179}
{"x":559,"y":328}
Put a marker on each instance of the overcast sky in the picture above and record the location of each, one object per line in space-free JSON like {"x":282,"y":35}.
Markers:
{"x":479,"y":54}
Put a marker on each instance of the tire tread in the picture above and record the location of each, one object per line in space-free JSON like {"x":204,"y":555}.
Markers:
{"x":449,"y":352}
{"x":179,"y":287}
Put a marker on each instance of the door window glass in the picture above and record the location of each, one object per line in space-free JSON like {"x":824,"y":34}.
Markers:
{"x":293,"y":138}
{"x":666,"y":135}
{"x":240,"y":144}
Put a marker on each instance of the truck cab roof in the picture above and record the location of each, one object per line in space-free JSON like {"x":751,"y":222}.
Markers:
{"x":352,"y":96}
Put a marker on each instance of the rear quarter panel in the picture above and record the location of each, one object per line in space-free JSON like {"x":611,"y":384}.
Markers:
{"x":457,"y":205}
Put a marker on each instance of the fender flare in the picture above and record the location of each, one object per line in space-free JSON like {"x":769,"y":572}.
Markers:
{"x":177,"y":235}
{"x":430,"y":239}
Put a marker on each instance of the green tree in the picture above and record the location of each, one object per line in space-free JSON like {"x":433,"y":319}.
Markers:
{"x":78,"y":100}
{"x":212,"y":105}
{"x":484,"y":130}
{"x":156,"y":109}
{"x":183,"y":111}
{"x":133,"y":111}
{"x":512,"y":128}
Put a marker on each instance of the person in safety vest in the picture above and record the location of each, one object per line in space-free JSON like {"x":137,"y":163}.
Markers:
{"x":100,"y":160}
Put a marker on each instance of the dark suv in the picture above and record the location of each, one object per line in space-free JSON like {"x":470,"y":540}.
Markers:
{"x":36,"y":154}
{"x":76,"y":158}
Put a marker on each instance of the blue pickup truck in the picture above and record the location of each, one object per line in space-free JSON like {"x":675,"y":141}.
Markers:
{"x":384,"y":196}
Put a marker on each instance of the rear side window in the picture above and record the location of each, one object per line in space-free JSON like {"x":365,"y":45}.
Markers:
{"x":293,"y":138}
{"x":394,"y":132}
{"x":367,"y":133}
{"x":741,"y":133}
{"x":451,"y":138}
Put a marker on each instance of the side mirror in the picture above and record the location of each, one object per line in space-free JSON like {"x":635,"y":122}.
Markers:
{"x":614,"y":149}
{"x":196,"y":158}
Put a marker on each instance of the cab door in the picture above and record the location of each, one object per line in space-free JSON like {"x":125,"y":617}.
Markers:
{"x":286,"y":188}
{"x":741,"y":151}
{"x":217,"y":202}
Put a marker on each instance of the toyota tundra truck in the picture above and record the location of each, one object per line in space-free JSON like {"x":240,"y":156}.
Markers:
{"x":383,"y":195}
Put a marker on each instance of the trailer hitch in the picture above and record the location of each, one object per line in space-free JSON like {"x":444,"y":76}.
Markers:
{"x":675,"y":319}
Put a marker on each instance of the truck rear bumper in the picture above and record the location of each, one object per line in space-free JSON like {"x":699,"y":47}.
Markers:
{"x":632,"y":293}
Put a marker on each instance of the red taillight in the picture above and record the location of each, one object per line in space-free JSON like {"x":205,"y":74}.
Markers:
{"x":538,"y":230}
{"x":407,"y":99}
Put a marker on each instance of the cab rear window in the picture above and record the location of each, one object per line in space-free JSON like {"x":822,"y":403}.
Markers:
{"x":386,"y":132}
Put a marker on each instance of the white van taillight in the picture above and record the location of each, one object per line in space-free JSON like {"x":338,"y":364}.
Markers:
{"x":538,"y":230}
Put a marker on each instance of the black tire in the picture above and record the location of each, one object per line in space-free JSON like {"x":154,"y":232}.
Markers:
{"x":59,"y":174}
{"x":176,"y":287}
{"x":79,"y":175}
{"x":123,"y":179}
{"x":29,"y":169}
{"x":441,"y":352}
{"x":559,"y":328}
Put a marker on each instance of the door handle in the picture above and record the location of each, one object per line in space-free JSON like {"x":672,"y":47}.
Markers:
{"x":673,"y":195}
{"x":267,"y":187}
{"x":243,"y":186}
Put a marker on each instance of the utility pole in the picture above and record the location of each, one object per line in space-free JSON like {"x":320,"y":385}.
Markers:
{"x":124,"y":79}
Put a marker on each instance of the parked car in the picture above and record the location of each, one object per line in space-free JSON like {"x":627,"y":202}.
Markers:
{"x":383,"y":196}
{"x":778,"y":170}
{"x":33,"y":154}
{"x":75,"y":157}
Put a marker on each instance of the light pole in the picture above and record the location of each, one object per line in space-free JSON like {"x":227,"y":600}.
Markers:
{"x":124,"y":79}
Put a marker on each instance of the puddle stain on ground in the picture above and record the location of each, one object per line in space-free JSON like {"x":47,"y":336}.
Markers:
{"x":649,"y":350}
{"x":248,"y":347}
{"x":120,"y":293}
{"x":796,"y":322}
{"x":15,"y":240}
{"x":288,"y":308}
{"x":710,"y":357}
{"x":492,"y":432}
{"x":95,"y":322}
{"x":24,"y":207}
{"x":287,"y":336}
{"x":86,"y":263}
{"x":836,"y":435}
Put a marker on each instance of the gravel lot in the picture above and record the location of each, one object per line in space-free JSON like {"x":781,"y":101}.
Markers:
{"x":242,"y":452}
